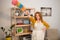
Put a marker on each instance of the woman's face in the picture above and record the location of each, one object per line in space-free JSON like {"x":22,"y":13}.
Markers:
{"x":37,"y":17}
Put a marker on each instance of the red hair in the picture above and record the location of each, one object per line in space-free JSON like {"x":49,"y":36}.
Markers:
{"x":40,"y":15}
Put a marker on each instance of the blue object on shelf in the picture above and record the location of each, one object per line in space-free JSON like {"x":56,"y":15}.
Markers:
{"x":26,"y":21}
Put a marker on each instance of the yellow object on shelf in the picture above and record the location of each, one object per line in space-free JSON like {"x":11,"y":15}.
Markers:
{"x":8,"y":38}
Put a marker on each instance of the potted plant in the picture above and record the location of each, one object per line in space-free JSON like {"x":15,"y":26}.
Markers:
{"x":8,"y":36}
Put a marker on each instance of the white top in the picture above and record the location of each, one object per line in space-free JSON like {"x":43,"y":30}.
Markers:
{"x":39,"y":25}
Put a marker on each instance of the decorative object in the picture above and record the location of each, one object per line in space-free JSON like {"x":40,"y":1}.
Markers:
{"x":18,"y":4}
{"x":30,"y":11}
{"x":8,"y":32}
{"x":19,"y":21}
{"x":26,"y":29}
{"x":46,"y":11}
{"x":26,"y":21}
{"x":20,"y":30}
{"x":18,"y":12}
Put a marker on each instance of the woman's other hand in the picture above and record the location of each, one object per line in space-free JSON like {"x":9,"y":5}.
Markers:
{"x":44,"y":29}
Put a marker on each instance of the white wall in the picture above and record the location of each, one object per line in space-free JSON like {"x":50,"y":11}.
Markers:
{"x":5,"y":6}
{"x":53,"y":20}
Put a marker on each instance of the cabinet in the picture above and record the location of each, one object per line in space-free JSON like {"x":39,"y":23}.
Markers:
{"x":22,"y":23}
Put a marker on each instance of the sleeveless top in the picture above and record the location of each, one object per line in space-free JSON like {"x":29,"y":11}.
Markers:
{"x":38,"y":25}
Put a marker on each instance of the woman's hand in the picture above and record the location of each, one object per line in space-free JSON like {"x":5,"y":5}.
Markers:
{"x":27,"y":12}
{"x":44,"y":29}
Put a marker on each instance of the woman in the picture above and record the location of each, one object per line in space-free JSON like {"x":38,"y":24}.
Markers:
{"x":39,"y":26}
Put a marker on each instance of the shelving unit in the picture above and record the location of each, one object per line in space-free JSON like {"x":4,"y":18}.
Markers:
{"x":20,"y":22}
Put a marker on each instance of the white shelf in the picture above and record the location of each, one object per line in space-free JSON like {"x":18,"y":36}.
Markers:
{"x":22,"y":25}
{"x":21,"y":17}
{"x":20,"y":34}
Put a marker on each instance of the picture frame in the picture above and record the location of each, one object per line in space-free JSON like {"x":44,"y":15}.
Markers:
{"x":46,"y":11}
